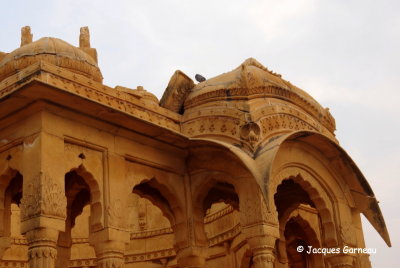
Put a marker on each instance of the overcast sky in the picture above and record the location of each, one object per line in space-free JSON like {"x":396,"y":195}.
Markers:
{"x":346,"y":54}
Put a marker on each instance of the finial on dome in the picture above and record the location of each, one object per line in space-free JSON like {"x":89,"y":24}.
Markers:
{"x":84,"y":38}
{"x":26,"y":35}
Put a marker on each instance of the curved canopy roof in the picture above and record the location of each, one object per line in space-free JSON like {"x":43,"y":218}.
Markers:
{"x":53,"y":50}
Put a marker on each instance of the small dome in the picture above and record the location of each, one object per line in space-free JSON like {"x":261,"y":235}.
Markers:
{"x":54,"y":51}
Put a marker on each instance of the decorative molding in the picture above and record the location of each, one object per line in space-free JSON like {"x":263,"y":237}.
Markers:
{"x":83,"y":262}
{"x":21,"y":264}
{"x":151,"y":233}
{"x":86,"y":88}
{"x":218,"y":214}
{"x":19,"y":241}
{"x":270,"y":91}
{"x":152,"y":255}
{"x":42,"y":252}
{"x":225,"y":236}
{"x":80,"y":240}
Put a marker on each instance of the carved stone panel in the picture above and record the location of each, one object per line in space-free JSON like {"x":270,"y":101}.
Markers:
{"x":43,"y":197}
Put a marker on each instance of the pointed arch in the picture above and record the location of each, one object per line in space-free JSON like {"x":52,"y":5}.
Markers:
{"x":162,"y":197}
{"x":96,"y":207}
{"x":317,"y":196}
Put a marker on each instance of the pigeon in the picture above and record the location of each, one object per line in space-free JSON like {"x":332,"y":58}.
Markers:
{"x":200,"y":78}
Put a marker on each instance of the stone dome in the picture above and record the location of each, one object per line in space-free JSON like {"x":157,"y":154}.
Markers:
{"x":54,"y":51}
{"x":250,"y":81}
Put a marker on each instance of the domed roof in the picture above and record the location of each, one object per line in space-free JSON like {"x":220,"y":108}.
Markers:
{"x":54,"y":51}
{"x":252,"y":80}
{"x":249,"y":75}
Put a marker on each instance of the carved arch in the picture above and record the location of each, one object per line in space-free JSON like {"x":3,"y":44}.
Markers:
{"x":96,"y":207}
{"x":214,"y":187}
{"x":10,"y":191}
{"x":6,"y":179}
{"x":316,"y":193}
{"x":162,"y":197}
{"x":311,"y":236}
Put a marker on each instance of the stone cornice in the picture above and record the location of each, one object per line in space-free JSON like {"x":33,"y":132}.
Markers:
{"x":79,"y":85}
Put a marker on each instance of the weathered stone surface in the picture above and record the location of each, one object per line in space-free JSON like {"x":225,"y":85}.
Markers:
{"x":236,"y":171}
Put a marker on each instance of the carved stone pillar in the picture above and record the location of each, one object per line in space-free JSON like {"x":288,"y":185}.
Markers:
{"x":190,"y":238}
{"x":263,"y":256}
{"x":189,"y":246}
{"x":110,"y":254}
{"x":109,"y":245}
{"x":42,"y":252}
{"x":43,"y":204}
{"x":261,"y":239}
{"x":342,"y":261}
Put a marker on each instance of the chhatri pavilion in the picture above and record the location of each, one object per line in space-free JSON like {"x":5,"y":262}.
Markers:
{"x":242,"y":170}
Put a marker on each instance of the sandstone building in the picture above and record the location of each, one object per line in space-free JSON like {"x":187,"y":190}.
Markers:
{"x":236,"y":171}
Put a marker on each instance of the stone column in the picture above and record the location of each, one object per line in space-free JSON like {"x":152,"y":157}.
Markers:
{"x":109,"y":245}
{"x":43,"y":204}
{"x":190,"y":238}
{"x":42,"y":251}
{"x":108,"y":255}
{"x":190,"y":248}
{"x":263,"y":256}
{"x":261,"y":239}
{"x":341,"y":261}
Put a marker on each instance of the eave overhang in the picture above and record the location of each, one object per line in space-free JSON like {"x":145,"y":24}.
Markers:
{"x":43,"y":81}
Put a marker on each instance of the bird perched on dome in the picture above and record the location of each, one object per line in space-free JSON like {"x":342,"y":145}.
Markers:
{"x":200,"y":78}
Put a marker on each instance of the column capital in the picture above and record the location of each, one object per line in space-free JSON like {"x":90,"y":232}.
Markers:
{"x":109,"y":245}
{"x":42,"y":252}
{"x":261,"y":239}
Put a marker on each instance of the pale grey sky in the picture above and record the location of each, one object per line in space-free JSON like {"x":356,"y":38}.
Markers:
{"x":346,"y":54}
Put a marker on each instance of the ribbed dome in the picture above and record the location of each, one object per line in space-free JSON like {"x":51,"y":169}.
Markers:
{"x":54,"y":51}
